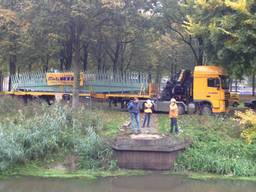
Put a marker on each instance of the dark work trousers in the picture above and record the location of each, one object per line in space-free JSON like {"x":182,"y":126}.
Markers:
{"x":174,"y":125}
{"x":146,"y":119}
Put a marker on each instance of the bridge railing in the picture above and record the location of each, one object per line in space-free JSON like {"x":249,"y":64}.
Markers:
{"x":93,"y":81}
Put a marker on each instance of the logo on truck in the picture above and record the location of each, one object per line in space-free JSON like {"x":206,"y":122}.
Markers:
{"x":62,"y":79}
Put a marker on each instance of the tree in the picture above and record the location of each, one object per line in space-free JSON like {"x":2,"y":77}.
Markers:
{"x":228,"y":30}
{"x":173,"y":14}
{"x":10,"y":31}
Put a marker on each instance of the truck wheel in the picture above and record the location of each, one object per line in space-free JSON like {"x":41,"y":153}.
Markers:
{"x":181,"y":109}
{"x":206,"y":110}
{"x":191,"y":108}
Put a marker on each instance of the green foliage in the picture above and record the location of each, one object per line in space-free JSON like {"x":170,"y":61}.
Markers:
{"x":52,"y":130}
{"x":227,"y":29}
{"x":92,"y":151}
{"x":216,"y":148}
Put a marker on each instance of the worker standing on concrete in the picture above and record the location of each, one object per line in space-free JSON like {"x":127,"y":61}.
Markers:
{"x":173,"y":114}
{"x":147,"y":112}
{"x":134,"y":110}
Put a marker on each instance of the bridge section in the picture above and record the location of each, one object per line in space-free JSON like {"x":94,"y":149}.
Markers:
{"x":90,"y":82}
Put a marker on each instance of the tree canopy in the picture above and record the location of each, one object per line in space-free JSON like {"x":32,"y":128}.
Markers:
{"x":154,"y":36}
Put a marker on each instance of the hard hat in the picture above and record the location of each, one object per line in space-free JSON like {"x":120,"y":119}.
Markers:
{"x":148,"y":101}
{"x":173,"y":100}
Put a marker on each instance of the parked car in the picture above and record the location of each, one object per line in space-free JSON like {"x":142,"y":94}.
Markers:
{"x":250,"y":104}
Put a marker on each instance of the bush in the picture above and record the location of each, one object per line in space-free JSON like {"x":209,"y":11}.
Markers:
{"x":248,"y":119}
{"x":226,"y":157}
{"x":216,"y":148}
{"x":9,"y":104}
{"x":51,"y":129}
{"x":92,"y":151}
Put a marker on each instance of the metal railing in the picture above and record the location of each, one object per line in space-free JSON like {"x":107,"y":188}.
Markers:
{"x":102,"y":82}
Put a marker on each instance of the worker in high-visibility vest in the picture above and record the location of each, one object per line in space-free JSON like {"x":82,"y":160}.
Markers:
{"x":173,"y":114}
{"x":147,"y":112}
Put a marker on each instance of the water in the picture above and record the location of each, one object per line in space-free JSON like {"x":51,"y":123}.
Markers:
{"x":151,"y":183}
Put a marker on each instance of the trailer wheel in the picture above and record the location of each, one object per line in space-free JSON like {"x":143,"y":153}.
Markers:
{"x":206,"y":110}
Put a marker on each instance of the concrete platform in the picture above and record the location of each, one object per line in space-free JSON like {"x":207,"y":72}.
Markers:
{"x":148,"y":151}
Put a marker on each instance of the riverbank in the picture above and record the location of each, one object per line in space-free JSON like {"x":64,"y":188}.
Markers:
{"x":209,"y":176}
{"x":34,"y":170}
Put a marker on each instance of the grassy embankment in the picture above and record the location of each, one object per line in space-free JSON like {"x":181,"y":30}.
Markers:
{"x":51,"y":141}
{"x":217,"y":151}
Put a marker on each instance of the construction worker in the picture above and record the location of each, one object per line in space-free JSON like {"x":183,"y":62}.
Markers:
{"x":134,"y":110}
{"x":147,"y":112}
{"x":173,"y":114}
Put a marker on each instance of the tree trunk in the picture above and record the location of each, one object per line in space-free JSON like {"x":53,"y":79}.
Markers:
{"x":76,"y":71}
{"x":69,"y":52}
{"x":116,"y":57}
{"x":1,"y":81}
{"x":29,"y":68}
{"x":12,"y":68}
{"x":46,"y":65}
{"x":253,"y":84}
{"x":85,"y":58}
{"x":200,"y":52}
{"x":236,"y":86}
{"x":76,"y":67}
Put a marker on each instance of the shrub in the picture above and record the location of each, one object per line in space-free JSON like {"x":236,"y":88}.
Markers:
{"x":248,"y":118}
{"x":51,"y":129}
{"x":92,"y":151}
{"x":219,"y":156}
{"x":216,"y":148}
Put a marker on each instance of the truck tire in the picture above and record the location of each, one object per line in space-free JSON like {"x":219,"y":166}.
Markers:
{"x":181,"y":109}
{"x":191,"y":108}
{"x":206,"y":110}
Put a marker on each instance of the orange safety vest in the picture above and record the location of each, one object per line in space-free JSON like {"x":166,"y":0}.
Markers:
{"x":148,"y":108}
{"x":173,"y":112}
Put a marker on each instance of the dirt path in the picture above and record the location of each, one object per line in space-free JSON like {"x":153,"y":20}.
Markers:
{"x":153,"y":128}
{"x":126,"y":129}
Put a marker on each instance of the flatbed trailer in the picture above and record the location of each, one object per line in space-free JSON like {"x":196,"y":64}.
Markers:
{"x":92,"y":95}
{"x":110,"y":86}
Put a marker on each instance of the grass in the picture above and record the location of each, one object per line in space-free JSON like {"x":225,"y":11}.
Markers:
{"x":217,"y":147}
{"x":35,"y":170}
{"x":210,"y":176}
{"x":113,"y":120}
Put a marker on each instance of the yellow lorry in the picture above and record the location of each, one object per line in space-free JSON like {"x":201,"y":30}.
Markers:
{"x":205,"y":91}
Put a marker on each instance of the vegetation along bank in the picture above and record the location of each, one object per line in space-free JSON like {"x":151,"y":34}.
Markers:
{"x":39,"y":140}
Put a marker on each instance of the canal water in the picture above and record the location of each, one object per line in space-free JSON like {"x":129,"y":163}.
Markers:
{"x":151,"y":183}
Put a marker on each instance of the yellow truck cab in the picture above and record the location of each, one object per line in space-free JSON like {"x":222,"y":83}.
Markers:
{"x":210,"y":89}
{"x":203,"y":91}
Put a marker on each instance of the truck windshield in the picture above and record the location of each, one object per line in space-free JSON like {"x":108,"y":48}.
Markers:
{"x":224,"y":82}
